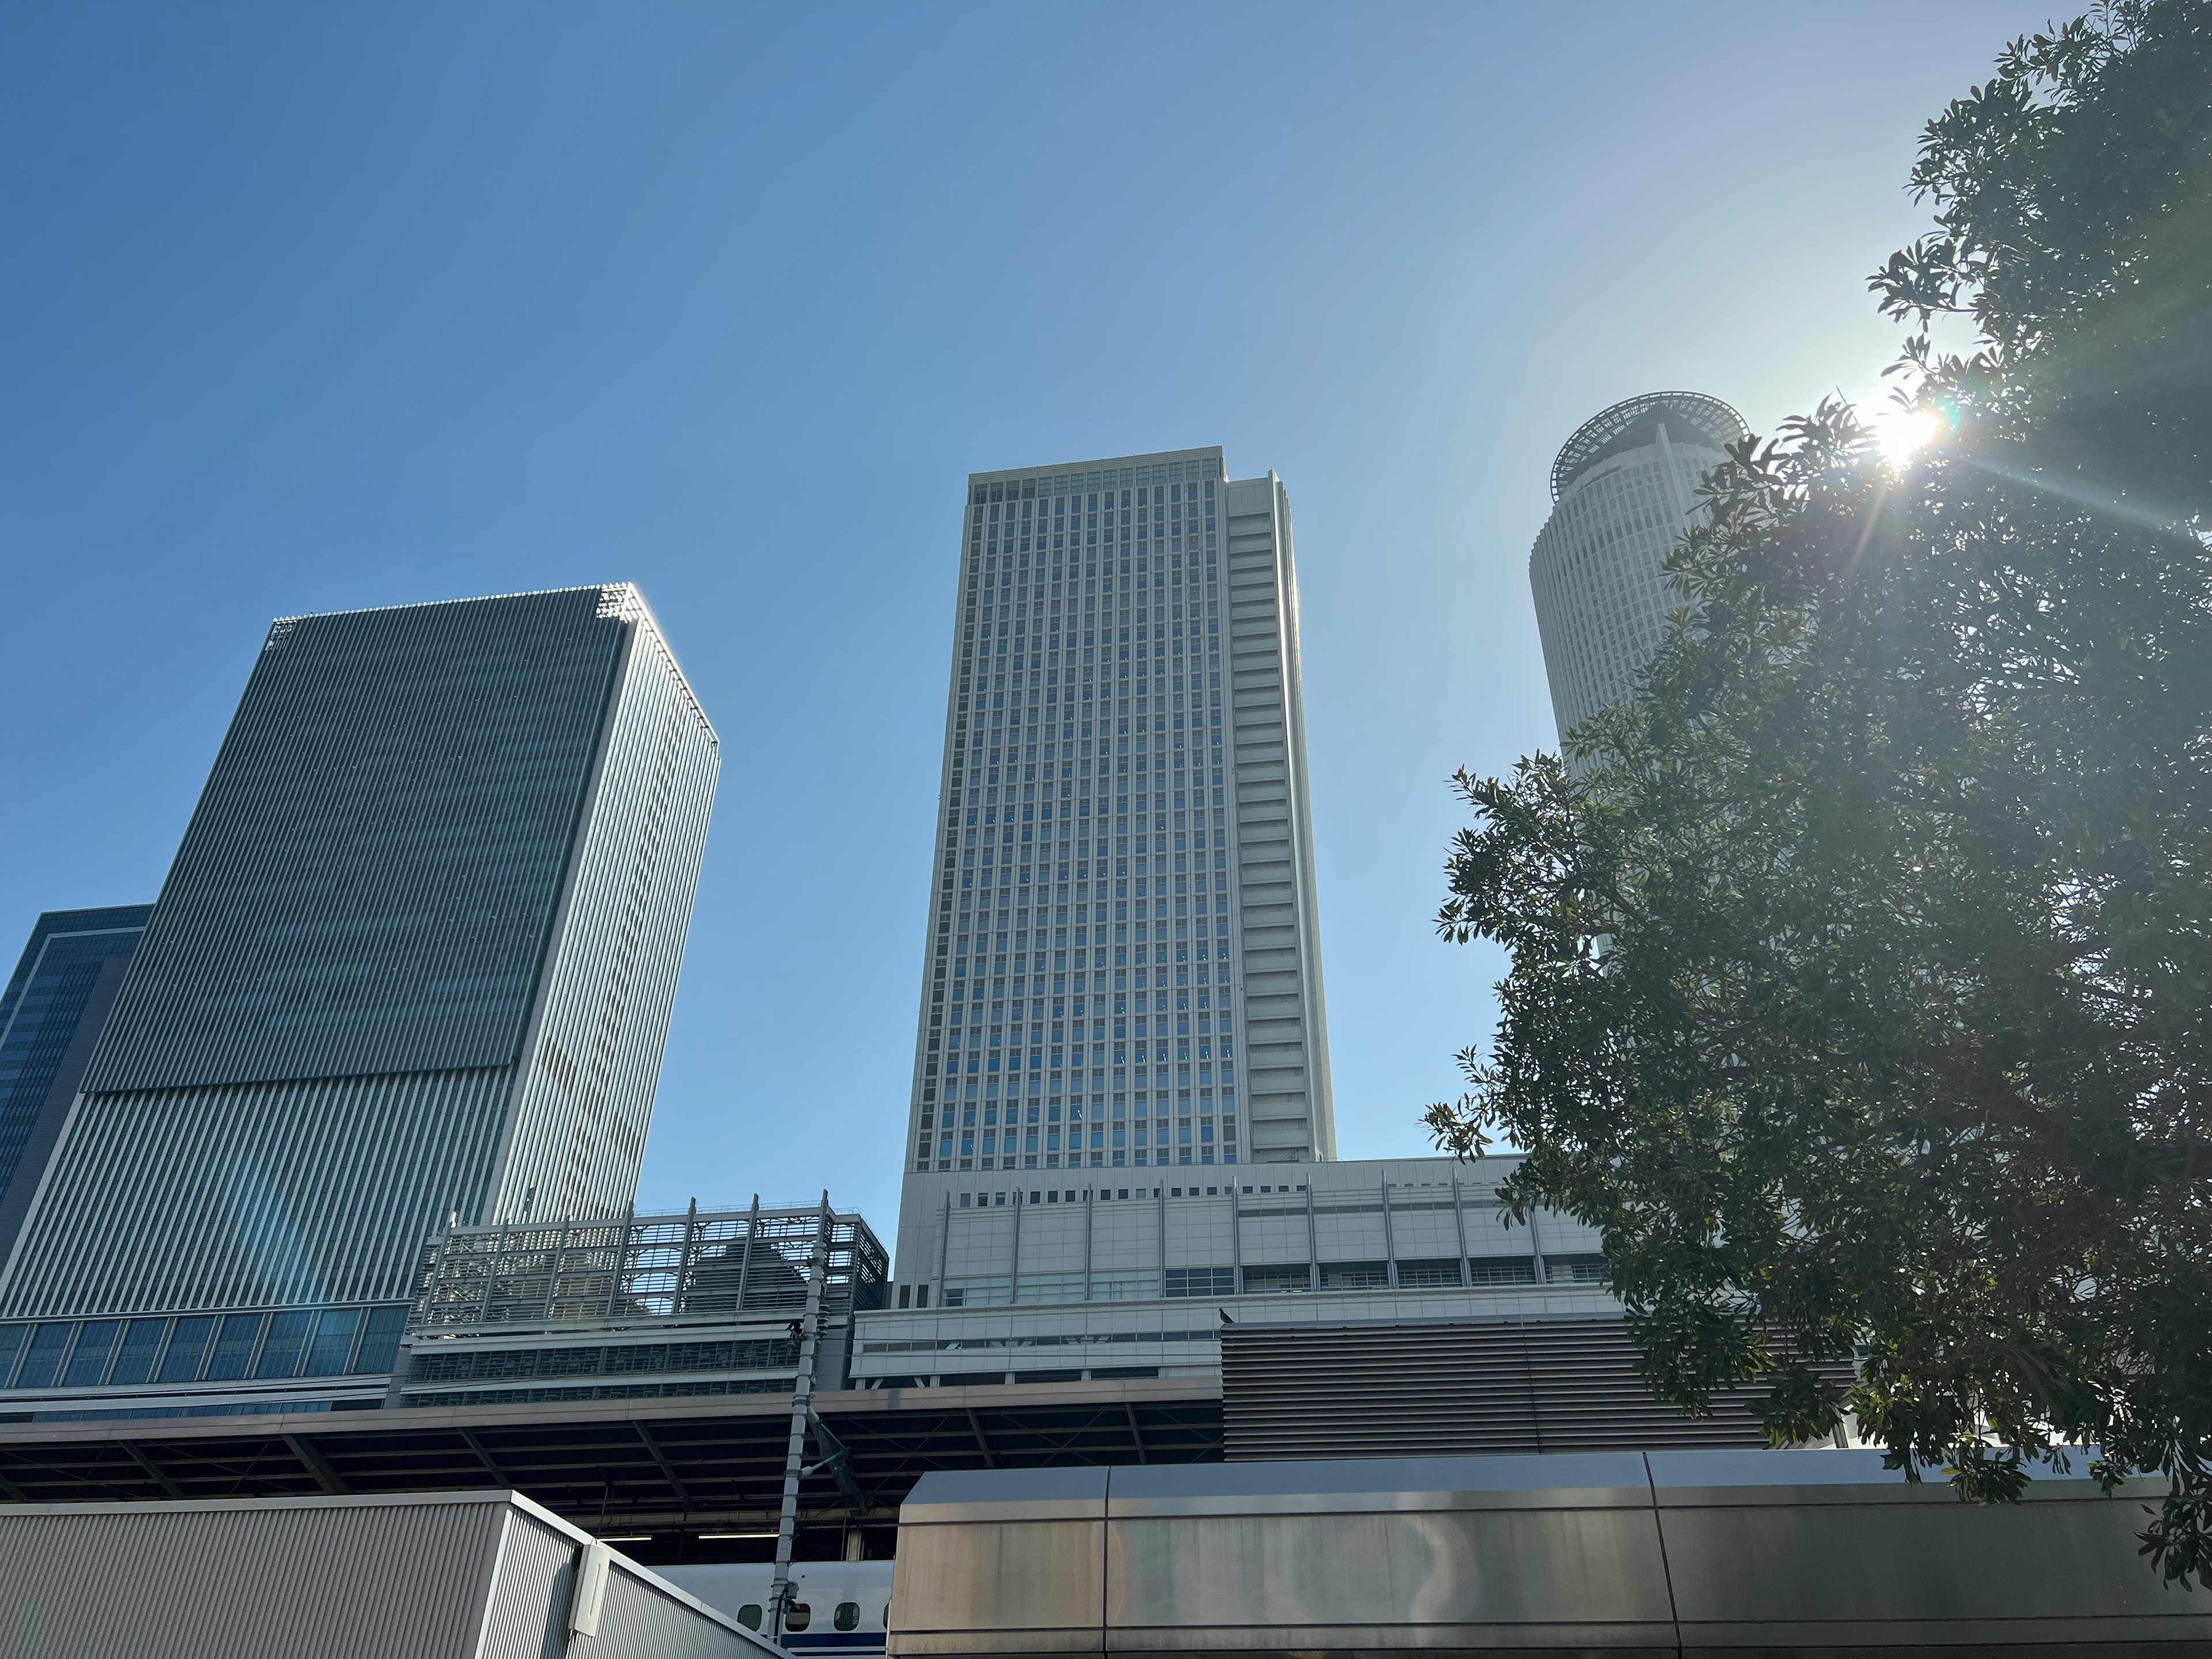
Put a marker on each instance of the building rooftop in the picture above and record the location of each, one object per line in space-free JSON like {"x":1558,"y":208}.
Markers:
{"x":1634,"y":423}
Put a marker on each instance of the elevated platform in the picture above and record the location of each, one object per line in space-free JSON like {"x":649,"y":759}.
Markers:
{"x":657,"y":1472}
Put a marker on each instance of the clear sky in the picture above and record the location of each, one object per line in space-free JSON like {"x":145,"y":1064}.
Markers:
{"x":307,"y":307}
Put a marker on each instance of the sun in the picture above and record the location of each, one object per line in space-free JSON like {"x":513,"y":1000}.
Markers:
{"x":1904,"y":433}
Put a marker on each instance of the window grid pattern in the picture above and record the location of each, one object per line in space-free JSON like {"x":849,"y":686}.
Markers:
{"x":587,"y":1096}
{"x":1081,"y":1000}
{"x":1597,"y":572}
{"x":270,"y":1345}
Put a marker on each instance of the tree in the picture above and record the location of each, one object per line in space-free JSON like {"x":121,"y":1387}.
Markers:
{"x":1860,"y":982}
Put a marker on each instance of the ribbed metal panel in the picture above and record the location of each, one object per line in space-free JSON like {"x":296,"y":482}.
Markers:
{"x":285,"y":1193}
{"x":333,"y":1580}
{"x":526,"y":1615}
{"x":640,"y":1620}
{"x":367,"y":882}
{"x":594,"y":1056}
{"x":468,"y":1576}
{"x":1380,"y":1390}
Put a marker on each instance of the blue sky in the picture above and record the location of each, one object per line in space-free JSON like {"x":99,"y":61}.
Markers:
{"x":310,"y":308}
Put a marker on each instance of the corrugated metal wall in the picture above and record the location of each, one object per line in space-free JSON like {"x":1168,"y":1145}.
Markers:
{"x":237,"y":1582}
{"x":469,"y":1576}
{"x":1390,"y":1390}
{"x":640,"y":1620}
{"x":526,"y":1615}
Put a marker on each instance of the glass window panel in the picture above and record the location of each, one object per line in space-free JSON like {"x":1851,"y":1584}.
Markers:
{"x":333,"y":1343}
{"x":234,"y":1346}
{"x":134,"y":1356}
{"x":288,"y":1335}
{"x":88,"y":1359}
{"x":380,"y":1342}
{"x":11,"y":1344}
{"x":42,"y":1358}
{"x":187,"y":1344}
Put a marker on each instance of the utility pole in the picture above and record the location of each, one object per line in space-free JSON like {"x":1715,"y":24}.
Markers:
{"x":802,"y":1409}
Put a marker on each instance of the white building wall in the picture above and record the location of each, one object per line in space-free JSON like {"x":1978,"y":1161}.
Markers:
{"x":1596,"y":572}
{"x":1123,"y":888}
{"x":1115,"y":1277}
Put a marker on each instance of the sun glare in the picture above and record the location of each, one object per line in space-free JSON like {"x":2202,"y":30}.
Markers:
{"x":1904,"y":433}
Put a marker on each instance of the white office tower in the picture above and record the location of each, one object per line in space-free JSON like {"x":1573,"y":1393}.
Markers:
{"x":1122,"y":964}
{"x":1624,"y":487}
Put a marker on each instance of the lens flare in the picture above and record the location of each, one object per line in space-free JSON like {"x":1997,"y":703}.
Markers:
{"x":1904,"y":433}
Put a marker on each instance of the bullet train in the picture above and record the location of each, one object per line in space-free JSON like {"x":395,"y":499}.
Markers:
{"x":839,"y":1606}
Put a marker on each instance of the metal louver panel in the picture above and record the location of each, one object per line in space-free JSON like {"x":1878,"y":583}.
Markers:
{"x":299,"y":1193}
{"x":1388,"y":1390}
{"x":367,"y":882}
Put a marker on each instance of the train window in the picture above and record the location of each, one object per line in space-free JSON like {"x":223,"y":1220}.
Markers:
{"x":848,"y":1616}
{"x":750,"y":1615}
{"x":800,"y":1617}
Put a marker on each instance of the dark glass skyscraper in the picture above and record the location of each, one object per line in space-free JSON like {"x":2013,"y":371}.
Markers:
{"x":414,"y":963}
{"x":50,"y":1016}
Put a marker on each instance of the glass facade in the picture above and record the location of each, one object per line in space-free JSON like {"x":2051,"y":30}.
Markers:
{"x":51,"y":1014}
{"x":289,"y":1342}
{"x":414,"y":962}
{"x":367,"y":882}
{"x":1123,"y":894}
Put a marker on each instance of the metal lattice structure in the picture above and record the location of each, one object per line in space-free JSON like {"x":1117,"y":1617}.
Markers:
{"x":1617,"y":428}
{"x":696,"y":1268}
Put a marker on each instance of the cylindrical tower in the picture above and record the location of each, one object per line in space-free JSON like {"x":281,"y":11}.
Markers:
{"x":1623,"y":488}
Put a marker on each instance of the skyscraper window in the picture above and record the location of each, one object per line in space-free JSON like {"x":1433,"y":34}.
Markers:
{"x":1232,"y":901}
{"x":1624,"y":487}
{"x":414,"y":961}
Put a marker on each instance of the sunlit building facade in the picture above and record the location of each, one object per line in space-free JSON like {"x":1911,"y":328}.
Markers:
{"x":1623,"y":488}
{"x":412,"y":967}
{"x":1122,"y":959}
